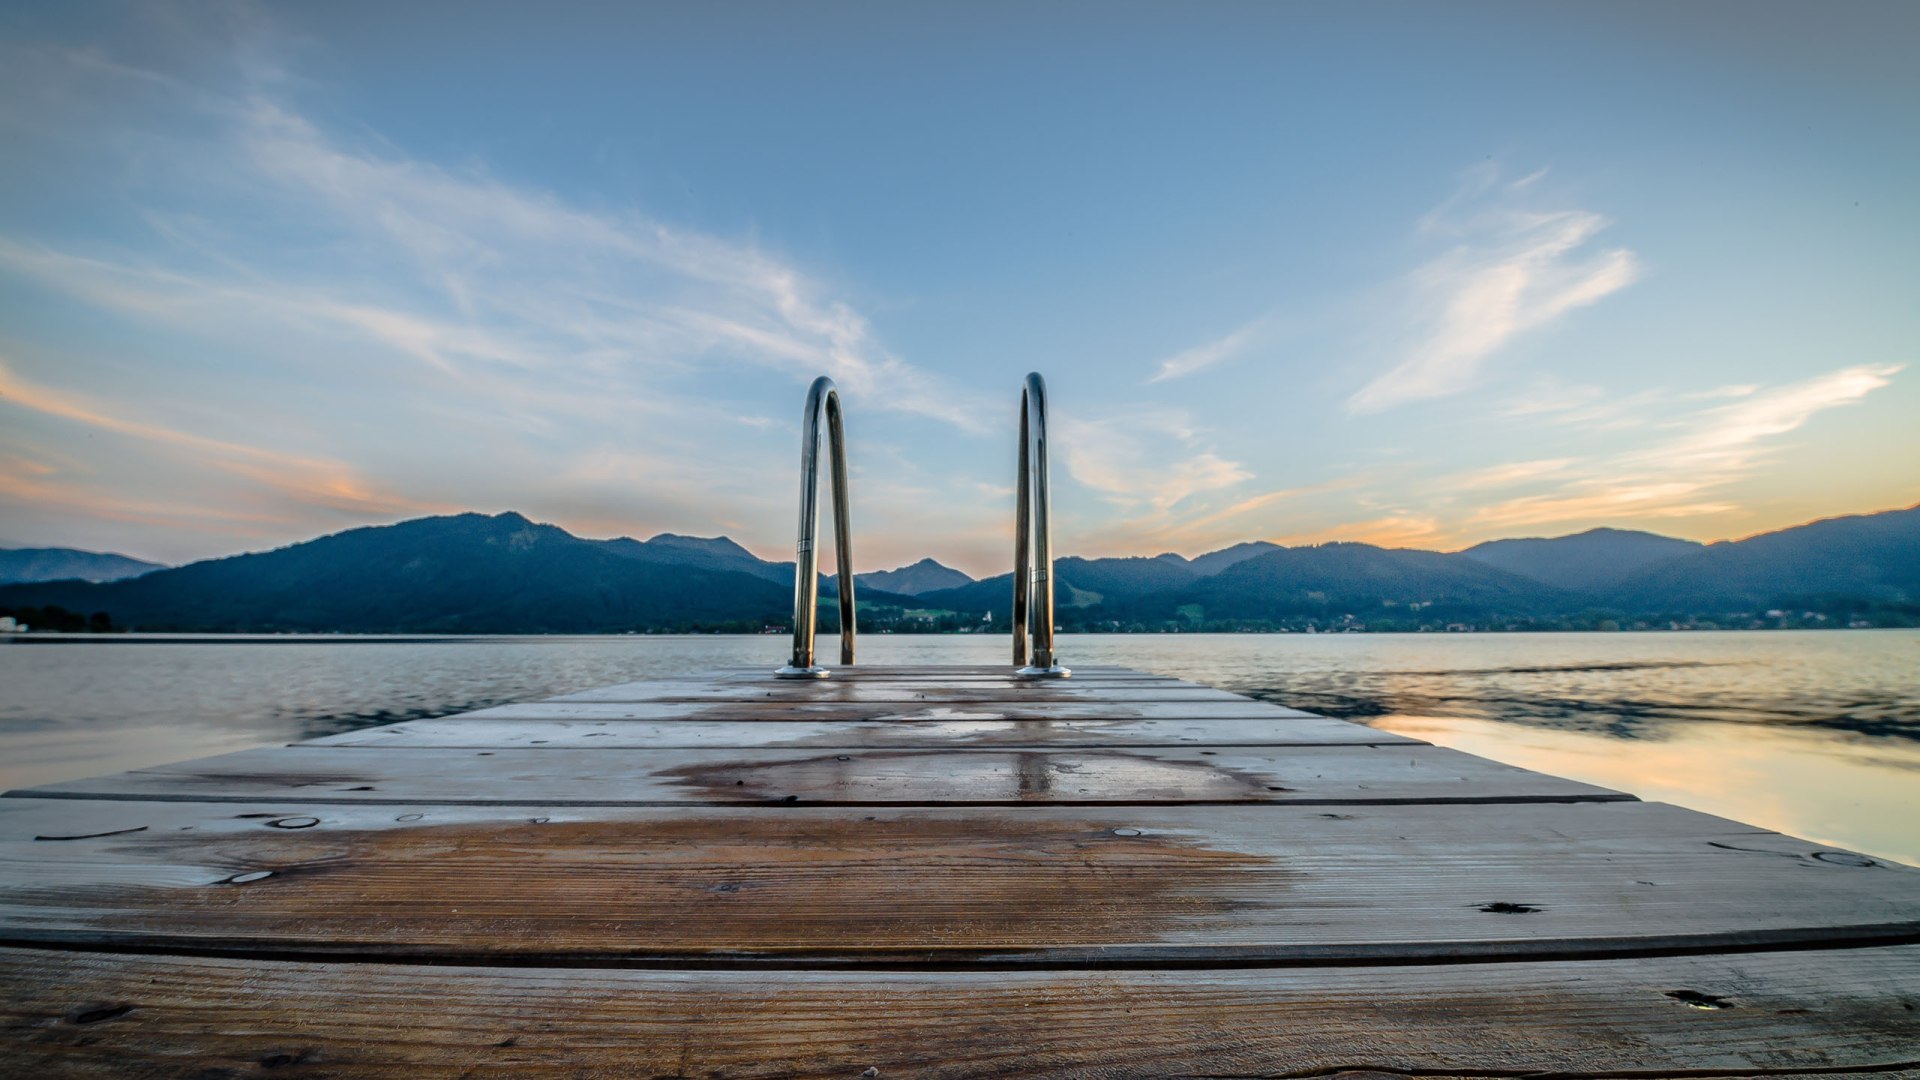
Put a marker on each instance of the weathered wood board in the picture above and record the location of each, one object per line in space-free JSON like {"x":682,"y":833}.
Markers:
{"x":914,"y":776}
{"x":827,"y":690}
{"x":951,"y":677}
{"x":901,"y":711}
{"x":1046,"y":886}
{"x":930,"y":872}
{"x":1778,"y":1015}
{"x":479,"y":734}
{"x":940,"y":673}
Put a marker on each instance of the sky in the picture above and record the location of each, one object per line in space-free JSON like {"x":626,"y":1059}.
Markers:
{"x":1418,"y":275}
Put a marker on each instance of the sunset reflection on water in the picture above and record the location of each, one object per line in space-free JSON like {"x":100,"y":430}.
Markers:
{"x":1853,"y":792}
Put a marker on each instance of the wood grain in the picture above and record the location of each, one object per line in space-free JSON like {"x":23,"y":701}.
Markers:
{"x":1038,"y":885}
{"x":929,"y":673}
{"x":902,"y":711}
{"x":945,"y":673}
{"x":614,"y":776}
{"x":1054,"y":851}
{"x":1775,"y":1015}
{"x":477,"y":734}
{"x":827,"y":690}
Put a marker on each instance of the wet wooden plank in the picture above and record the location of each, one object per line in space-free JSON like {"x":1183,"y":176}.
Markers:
{"x":473,"y":734}
{"x":924,"y":672}
{"x":626,"y":777}
{"x":994,"y":676}
{"x":1233,"y":708}
{"x":1038,"y":886}
{"x":932,"y":673}
{"x":1094,"y":683}
{"x":877,"y":690}
{"x":944,"y":672}
{"x":893,"y":686}
{"x":1777,"y":1015}
{"x":997,"y":667}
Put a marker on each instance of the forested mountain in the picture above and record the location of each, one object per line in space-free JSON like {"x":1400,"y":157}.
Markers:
{"x":1595,"y":559}
{"x":721,"y":553}
{"x":703,"y":553}
{"x":64,"y":564}
{"x":1077,"y":583}
{"x":473,"y":573}
{"x":1329,"y":582}
{"x":468,"y":573}
{"x":1215,"y":561}
{"x":924,"y":576}
{"x":1872,"y":557}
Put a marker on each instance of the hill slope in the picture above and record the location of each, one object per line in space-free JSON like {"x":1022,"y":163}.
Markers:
{"x":1331,"y":581}
{"x":64,"y":564}
{"x":1077,"y":583}
{"x":1215,"y":561}
{"x":1872,"y":557}
{"x":1595,"y":559}
{"x":467,"y":573}
{"x":716,"y":553}
{"x":473,"y":573}
{"x":924,"y":576}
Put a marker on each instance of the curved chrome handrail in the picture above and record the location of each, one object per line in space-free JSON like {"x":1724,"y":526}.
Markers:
{"x":1033,"y":543}
{"x":822,"y":397}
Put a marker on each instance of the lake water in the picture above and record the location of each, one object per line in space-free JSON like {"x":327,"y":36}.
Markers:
{"x":1813,"y":733}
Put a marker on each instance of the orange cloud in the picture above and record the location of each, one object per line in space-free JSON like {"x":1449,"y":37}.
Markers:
{"x":1394,"y":530}
{"x":305,"y":481}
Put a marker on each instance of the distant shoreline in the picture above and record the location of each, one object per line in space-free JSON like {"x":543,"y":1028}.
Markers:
{"x":348,"y":638}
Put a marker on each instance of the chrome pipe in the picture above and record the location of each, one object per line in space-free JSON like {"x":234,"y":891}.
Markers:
{"x":1033,"y":656}
{"x":822,"y":398}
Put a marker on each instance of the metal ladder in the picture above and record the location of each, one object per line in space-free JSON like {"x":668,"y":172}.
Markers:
{"x":823,"y":397}
{"x":1033,"y":655}
{"x":1033,"y":543}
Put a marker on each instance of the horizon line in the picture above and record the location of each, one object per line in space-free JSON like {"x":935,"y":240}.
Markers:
{"x":1153,"y":555}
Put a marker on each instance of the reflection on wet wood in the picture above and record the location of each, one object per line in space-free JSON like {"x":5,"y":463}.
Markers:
{"x":1062,"y":847}
{"x":827,"y":690}
{"x":617,"y":776}
{"x":476,"y":734}
{"x":1774,"y":1015}
{"x":942,"y":673}
{"x":900,"y":711}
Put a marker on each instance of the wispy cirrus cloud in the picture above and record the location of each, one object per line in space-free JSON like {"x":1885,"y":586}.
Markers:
{"x":495,"y":275}
{"x":1143,"y":460}
{"x":1207,"y":525}
{"x":391,"y":306}
{"x":1731,"y":439}
{"x":1201,"y":357}
{"x":296,"y":479}
{"x":616,"y":283}
{"x":1509,"y":270}
{"x":1497,"y":477}
{"x":1677,"y":475}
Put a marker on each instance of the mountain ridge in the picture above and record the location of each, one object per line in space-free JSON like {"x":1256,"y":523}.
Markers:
{"x":29,"y":565}
{"x":1582,"y":561}
{"x":479,"y":573}
{"x":914,"y":579}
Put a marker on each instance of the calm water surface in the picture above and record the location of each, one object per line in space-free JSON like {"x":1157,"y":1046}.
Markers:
{"x":1813,"y":733}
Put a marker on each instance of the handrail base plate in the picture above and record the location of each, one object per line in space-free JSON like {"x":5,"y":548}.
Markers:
{"x":790,"y":672}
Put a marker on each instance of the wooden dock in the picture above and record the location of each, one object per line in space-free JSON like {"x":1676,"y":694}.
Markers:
{"x":925,"y":872}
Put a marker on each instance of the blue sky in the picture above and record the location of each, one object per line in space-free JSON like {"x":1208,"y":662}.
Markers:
{"x":1415,"y":274}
